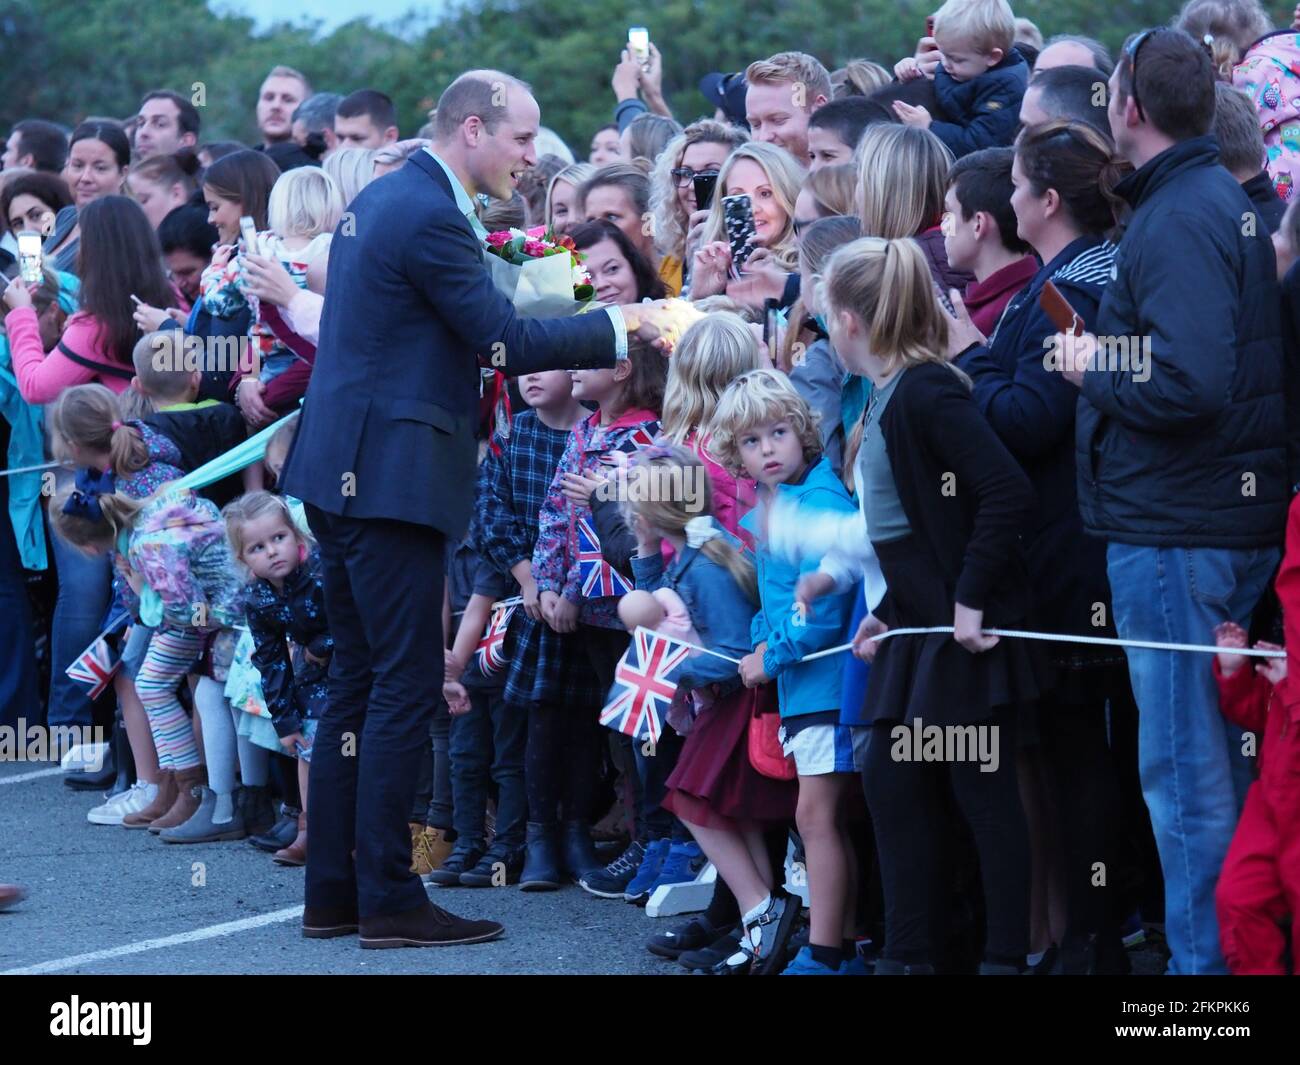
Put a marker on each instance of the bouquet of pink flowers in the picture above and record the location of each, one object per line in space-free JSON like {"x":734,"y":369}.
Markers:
{"x":540,"y":272}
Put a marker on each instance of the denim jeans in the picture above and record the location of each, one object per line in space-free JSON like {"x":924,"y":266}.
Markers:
{"x":433,"y":799}
{"x":1194,"y":775}
{"x":85,"y":588}
{"x":489,"y":741}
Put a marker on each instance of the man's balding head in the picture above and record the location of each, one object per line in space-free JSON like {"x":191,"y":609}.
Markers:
{"x":1072,"y":51}
{"x":485,"y":93}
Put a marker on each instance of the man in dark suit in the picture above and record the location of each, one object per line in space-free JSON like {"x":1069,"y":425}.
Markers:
{"x":384,"y":460}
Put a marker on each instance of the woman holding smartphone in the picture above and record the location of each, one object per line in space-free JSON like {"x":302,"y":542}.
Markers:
{"x":687,"y":167}
{"x":770,"y":176}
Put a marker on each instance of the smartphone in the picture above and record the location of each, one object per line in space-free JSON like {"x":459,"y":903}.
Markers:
{"x":943,"y":298}
{"x":248,"y":230}
{"x":29,"y":257}
{"x":638,"y":40}
{"x":929,"y":25}
{"x":772,"y":327}
{"x":738,"y":219}
{"x":704,"y":184}
{"x":1058,"y":309}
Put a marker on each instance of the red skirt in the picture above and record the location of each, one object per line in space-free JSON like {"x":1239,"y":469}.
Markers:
{"x":714,"y":784}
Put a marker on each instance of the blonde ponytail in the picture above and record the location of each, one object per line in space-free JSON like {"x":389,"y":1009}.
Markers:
{"x":741,"y":569}
{"x":887,"y":283}
{"x":80,"y":527}
{"x":90,"y":416}
{"x":669,"y":512}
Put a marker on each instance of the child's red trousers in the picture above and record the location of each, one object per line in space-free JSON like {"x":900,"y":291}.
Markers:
{"x":1259,"y":886}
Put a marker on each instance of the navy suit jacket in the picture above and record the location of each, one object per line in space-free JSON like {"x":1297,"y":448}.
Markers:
{"x":388,"y":425}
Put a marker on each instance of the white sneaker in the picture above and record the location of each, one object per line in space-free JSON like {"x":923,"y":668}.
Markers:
{"x":131,"y":801}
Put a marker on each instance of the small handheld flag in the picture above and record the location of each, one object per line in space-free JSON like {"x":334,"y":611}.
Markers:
{"x":95,"y":667}
{"x":598,"y":577}
{"x":643,"y":685}
{"x":491,"y":648}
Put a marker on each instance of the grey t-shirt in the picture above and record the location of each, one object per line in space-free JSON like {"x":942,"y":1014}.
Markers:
{"x":880,"y":503}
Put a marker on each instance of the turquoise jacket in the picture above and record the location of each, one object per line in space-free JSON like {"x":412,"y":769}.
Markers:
{"x":790,"y":634}
{"x":27,"y":448}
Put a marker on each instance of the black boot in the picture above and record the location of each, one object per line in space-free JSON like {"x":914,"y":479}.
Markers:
{"x":579,"y":855}
{"x":256,"y":808}
{"x":281,"y":834}
{"x":541,"y":858}
{"x":123,"y":757}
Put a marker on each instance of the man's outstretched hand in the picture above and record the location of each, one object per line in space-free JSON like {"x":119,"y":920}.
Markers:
{"x":660,"y":323}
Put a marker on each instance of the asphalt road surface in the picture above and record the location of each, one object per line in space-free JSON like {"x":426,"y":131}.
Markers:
{"x":105,"y":899}
{"x":111,"y":900}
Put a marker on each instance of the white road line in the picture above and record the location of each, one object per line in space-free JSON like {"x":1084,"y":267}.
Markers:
{"x":195,"y":936}
{"x":31,"y":776}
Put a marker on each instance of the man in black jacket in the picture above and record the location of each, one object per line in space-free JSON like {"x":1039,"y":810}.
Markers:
{"x":1181,"y":455}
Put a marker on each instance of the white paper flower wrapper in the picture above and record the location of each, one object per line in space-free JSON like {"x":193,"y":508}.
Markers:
{"x":541,"y":288}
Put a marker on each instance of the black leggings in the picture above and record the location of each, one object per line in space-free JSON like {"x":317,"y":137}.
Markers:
{"x":913,"y":839}
{"x":562,"y":762}
{"x":1085,"y":789}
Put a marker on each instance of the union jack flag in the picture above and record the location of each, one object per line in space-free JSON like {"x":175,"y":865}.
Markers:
{"x":491,"y":649}
{"x":95,"y":667}
{"x":641,"y":436}
{"x":643,"y":685}
{"x":598,"y":577}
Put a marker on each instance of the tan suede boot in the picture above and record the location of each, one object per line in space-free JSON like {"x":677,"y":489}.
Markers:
{"x":187,"y":782}
{"x":420,"y":863}
{"x":296,"y":852}
{"x":439,"y":847}
{"x":161,"y":804}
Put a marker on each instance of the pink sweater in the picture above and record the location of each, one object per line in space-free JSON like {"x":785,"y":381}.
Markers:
{"x":42,"y":377}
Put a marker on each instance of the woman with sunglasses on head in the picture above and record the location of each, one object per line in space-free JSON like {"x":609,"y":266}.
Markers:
{"x":698,"y":151}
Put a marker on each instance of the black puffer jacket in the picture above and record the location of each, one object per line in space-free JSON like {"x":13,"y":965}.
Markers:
{"x":1194,"y":455}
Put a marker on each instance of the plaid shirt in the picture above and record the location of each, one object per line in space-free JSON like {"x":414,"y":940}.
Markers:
{"x":544,"y":666}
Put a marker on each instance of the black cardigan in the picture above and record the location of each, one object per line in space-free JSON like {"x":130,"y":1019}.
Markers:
{"x":965,"y":497}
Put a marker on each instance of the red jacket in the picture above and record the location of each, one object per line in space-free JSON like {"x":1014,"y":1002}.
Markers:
{"x":1273,"y":713}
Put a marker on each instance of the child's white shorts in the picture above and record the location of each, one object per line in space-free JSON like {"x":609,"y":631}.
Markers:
{"x":825,"y":748}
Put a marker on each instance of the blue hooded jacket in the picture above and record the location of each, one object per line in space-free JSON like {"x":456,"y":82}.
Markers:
{"x":790,"y":633}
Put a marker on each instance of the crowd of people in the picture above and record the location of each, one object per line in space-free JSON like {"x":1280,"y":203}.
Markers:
{"x":1013,"y":343}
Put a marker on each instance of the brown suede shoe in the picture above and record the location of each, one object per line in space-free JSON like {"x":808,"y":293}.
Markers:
{"x":11,"y":895}
{"x":161,"y":804}
{"x":425,"y":926}
{"x":187,"y":783}
{"x":296,"y":852}
{"x":325,"y":922}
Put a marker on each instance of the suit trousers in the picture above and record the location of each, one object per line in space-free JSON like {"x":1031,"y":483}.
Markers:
{"x":383,"y":598}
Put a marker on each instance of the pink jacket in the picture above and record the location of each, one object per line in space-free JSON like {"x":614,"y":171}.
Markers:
{"x":42,"y":377}
{"x":733,"y":497}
